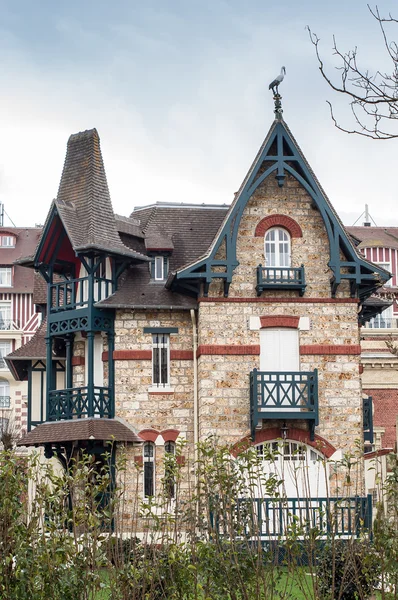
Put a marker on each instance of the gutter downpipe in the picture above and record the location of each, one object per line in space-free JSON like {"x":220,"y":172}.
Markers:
{"x":195,"y":388}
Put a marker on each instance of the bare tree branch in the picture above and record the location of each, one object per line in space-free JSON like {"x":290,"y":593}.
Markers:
{"x":373,"y":97}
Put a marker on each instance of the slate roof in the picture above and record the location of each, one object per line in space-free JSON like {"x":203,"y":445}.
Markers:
{"x":83,"y":201}
{"x":375,"y":237}
{"x":25,"y":244}
{"x":80,"y":429}
{"x":190,"y":229}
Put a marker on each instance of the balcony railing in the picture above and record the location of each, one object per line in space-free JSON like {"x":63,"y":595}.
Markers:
{"x":272,"y":518}
{"x":383,"y":323}
{"x":8,"y":324}
{"x":367,"y":407}
{"x":284,"y":395}
{"x":73,"y":293}
{"x":276,"y":278}
{"x":5,"y":402}
{"x":80,"y":403}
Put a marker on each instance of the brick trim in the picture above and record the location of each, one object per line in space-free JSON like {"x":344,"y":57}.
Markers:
{"x":170,"y":435}
{"x":160,"y":393}
{"x":278,"y":220}
{"x":277,"y":299}
{"x":180,"y":460}
{"x":181,"y":354}
{"x":78,"y":361}
{"x":279,"y":321}
{"x":354,"y":349}
{"x":149,"y":435}
{"x":376,"y":453}
{"x":147,"y":355}
{"x":227,"y":350}
{"x":132,"y":355}
{"x":297,"y":435}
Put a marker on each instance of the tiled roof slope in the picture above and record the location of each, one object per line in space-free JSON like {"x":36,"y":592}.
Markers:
{"x":25,"y":244}
{"x":190,"y":229}
{"x":80,"y":429}
{"x":83,"y":200}
{"x":373,"y":237}
{"x":34,"y":348}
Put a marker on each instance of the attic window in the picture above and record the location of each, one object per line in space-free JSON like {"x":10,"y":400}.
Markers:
{"x":159,"y":268}
{"x":7,"y":241}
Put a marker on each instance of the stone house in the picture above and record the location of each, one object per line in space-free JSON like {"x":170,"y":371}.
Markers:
{"x":184,"y":321}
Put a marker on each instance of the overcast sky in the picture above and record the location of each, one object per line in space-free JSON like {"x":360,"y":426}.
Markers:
{"x":178,"y":90}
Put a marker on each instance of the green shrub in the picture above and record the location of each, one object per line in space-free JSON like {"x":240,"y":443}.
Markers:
{"x":347,"y":570}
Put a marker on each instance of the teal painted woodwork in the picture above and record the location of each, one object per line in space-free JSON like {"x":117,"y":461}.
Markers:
{"x":89,"y":401}
{"x":367,"y":409}
{"x":284,"y":395}
{"x":271,"y":518}
{"x":278,"y":156}
{"x":280,"y":278}
{"x":69,"y":294}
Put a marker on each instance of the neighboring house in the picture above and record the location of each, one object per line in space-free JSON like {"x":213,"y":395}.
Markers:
{"x":184,"y":321}
{"x":380,"y":366}
{"x":18,"y":319}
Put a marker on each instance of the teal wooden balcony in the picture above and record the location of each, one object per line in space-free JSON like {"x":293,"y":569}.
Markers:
{"x":271,"y":518}
{"x":74,"y":293}
{"x":80,"y":403}
{"x":284,"y":395}
{"x":280,"y":278}
{"x":367,"y":408}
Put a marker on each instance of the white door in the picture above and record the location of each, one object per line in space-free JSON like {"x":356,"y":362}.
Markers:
{"x":279,"y":350}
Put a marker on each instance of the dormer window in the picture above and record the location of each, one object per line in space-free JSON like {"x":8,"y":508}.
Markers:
{"x":159,"y":268}
{"x":7,"y":241}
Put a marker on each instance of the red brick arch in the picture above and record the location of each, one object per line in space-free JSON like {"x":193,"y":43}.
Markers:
{"x":279,"y":321}
{"x":297,"y":435}
{"x":278,"y":221}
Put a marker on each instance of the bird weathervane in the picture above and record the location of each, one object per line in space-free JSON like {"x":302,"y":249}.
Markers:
{"x":274,"y":86}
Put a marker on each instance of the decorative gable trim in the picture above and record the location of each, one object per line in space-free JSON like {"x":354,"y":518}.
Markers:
{"x":280,"y":155}
{"x":278,"y":221}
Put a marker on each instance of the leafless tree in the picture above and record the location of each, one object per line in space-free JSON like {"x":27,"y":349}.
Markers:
{"x":9,"y":432}
{"x":373,"y":97}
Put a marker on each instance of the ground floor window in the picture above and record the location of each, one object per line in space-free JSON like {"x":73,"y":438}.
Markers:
{"x":149,"y":469}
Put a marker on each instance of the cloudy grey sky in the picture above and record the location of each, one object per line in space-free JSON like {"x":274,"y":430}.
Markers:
{"x":178,"y":90}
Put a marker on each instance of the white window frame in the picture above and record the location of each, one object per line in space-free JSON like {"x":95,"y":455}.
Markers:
{"x":160,"y":357}
{"x":282,"y":237}
{"x":5,"y":348}
{"x":384,"y":320}
{"x":7,"y":241}
{"x":6,"y":272}
{"x":158,"y":268}
{"x":5,"y":315}
{"x":150,"y":459}
{"x":387,"y":266}
{"x":5,"y":391}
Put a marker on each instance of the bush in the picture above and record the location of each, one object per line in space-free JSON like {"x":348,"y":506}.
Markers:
{"x":347,"y":570}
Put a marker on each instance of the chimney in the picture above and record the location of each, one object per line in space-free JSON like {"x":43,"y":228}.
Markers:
{"x":367,"y":222}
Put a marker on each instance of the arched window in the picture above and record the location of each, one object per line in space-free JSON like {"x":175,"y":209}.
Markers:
{"x":277,"y":248}
{"x":149,"y":469}
{"x":169,"y":469}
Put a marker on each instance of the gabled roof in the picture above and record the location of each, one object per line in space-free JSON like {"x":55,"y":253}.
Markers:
{"x":26,"y":239}
{"x":280,"y":155}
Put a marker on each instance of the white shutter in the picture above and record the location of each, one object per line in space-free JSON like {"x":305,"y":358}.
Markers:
{"x":279,"y":350}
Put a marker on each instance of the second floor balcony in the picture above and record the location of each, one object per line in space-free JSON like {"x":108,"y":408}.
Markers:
{"x":285,"y":396}
{"x":79,"y":293}
{"x":80,"y":403}
{"x":277,"y":278}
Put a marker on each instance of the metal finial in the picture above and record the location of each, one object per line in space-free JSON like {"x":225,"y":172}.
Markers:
{"x":278,"y":106}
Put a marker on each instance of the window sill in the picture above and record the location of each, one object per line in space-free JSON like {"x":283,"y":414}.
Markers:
{"x":158,"y":389}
